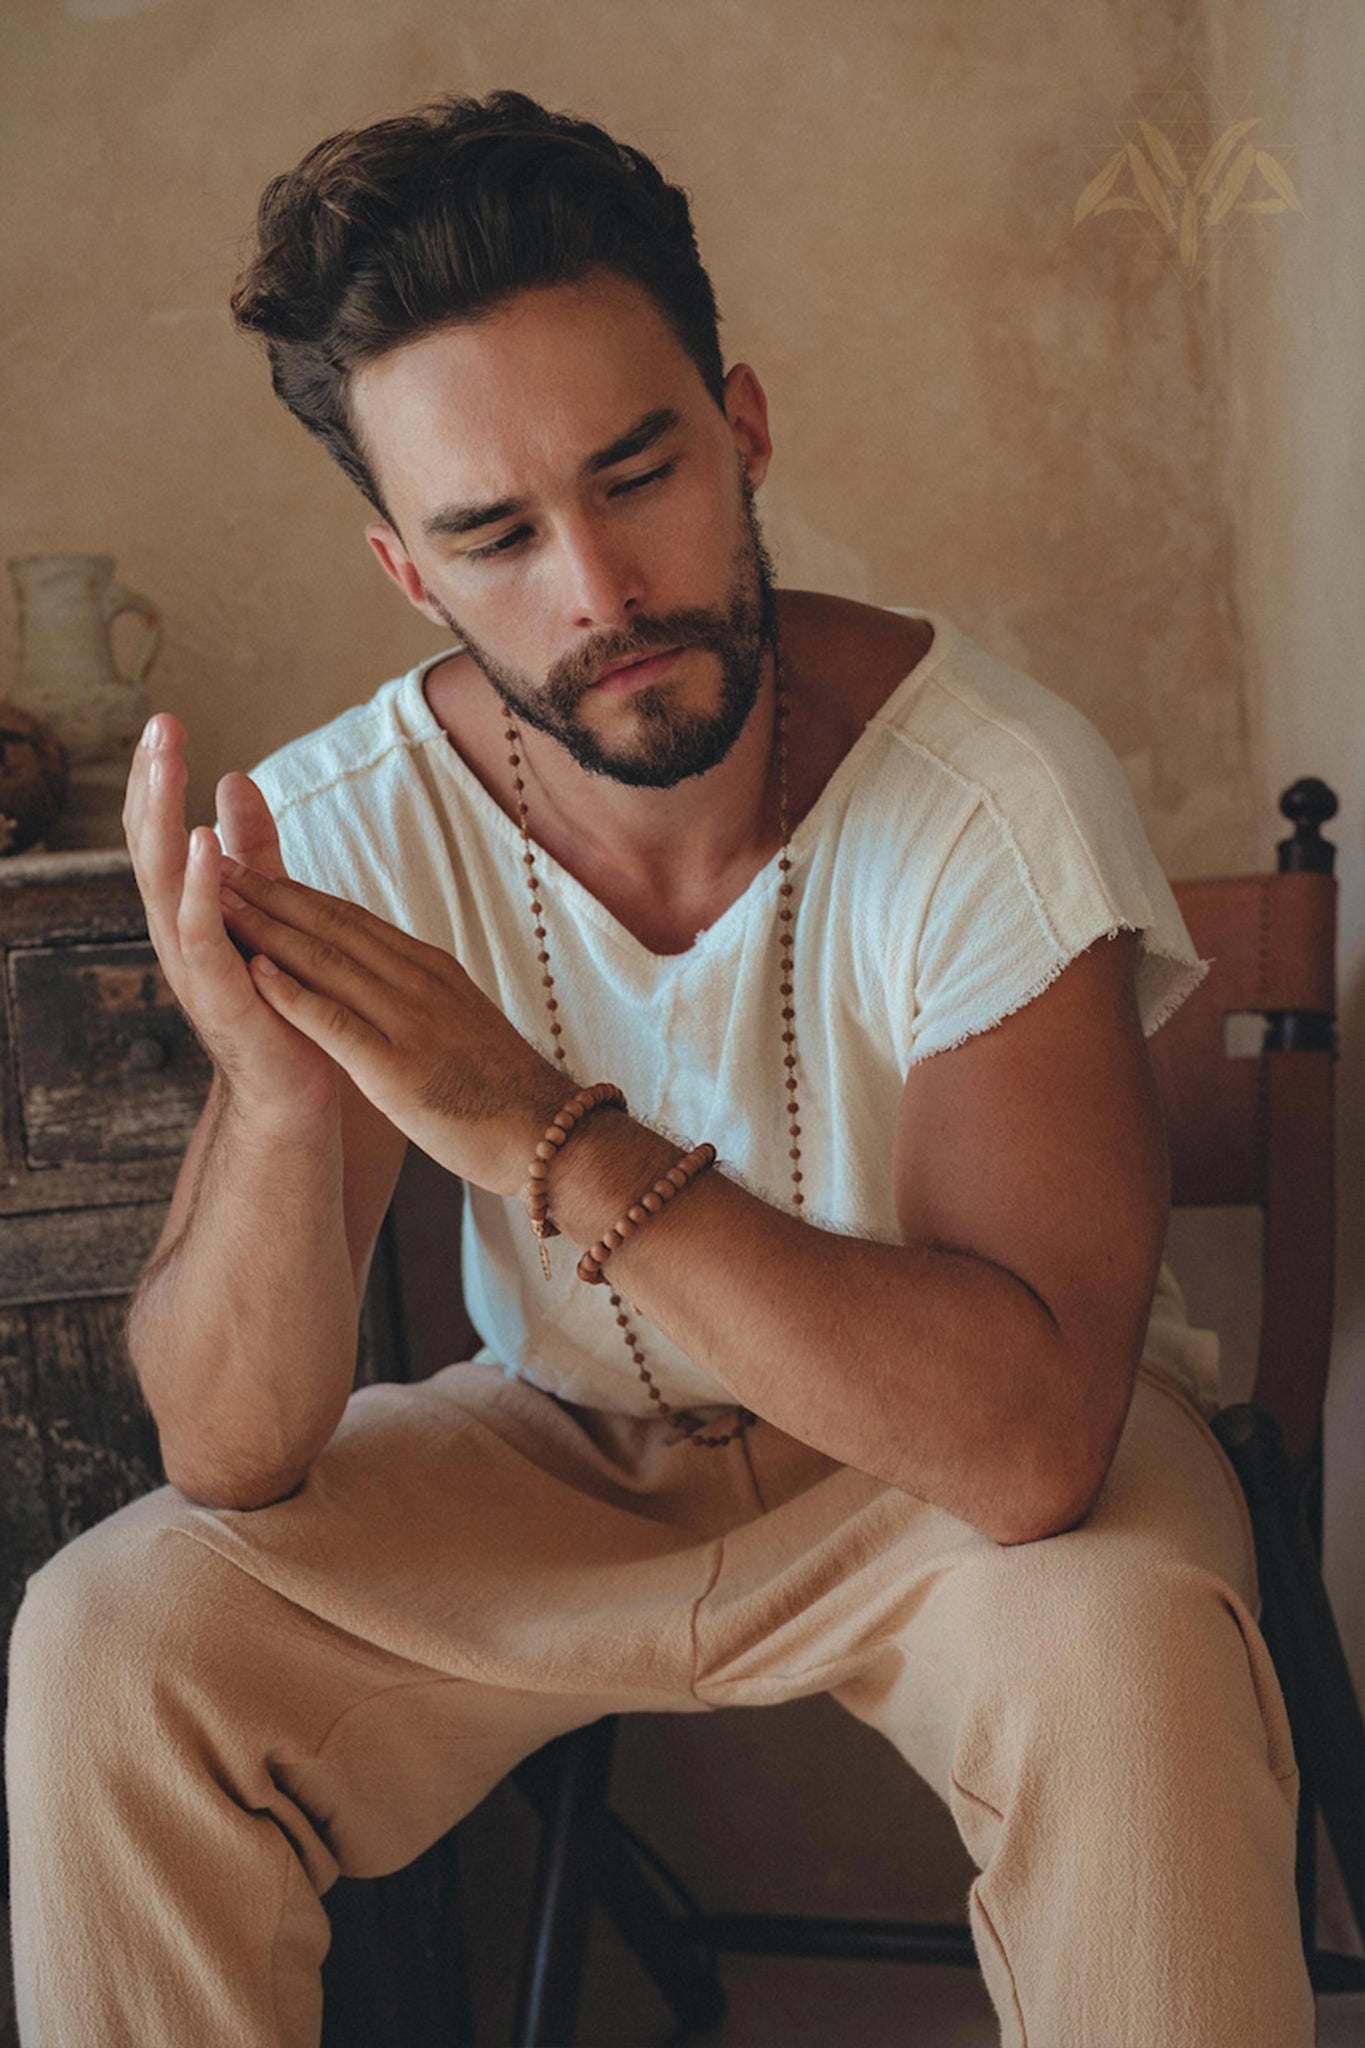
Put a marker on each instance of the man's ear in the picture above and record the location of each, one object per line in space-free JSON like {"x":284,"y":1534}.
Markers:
{"x":746,"y":410}
{"x":398,"y":564}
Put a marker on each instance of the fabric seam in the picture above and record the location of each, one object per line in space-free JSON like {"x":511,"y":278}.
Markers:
{"x":1021,"y":739}
{"x":986,"y":799}
{"x":1004,"y":1960}
{"x":694,"y":1620}
{"x":975,"y":1797}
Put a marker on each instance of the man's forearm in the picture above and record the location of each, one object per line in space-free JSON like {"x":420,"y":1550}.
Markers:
{"x":936,"y":1370}
{"x":243,"y":1332}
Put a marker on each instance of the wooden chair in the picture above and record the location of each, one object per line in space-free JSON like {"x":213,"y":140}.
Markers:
{"x":1243,"y":1130}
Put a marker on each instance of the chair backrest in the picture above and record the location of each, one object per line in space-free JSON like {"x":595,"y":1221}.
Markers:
{"x":1257,"y":1128}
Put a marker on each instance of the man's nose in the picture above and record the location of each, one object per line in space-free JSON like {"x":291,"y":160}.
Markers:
{"x":604,"y":577}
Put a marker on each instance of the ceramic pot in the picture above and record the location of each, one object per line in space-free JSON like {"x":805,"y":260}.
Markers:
{"x":69,"y":679}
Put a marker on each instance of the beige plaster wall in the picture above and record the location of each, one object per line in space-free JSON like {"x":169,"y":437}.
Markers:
{"x":975,"y":406}
{"x":1292,"y":338}
{"x":1123,"y":473}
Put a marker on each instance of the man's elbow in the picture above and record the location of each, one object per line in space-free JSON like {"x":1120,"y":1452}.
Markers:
{"x":217,"y":1490}
{"x":1072,"y":1465}
{"x":1065,"y":1507}
{"x":1055,"y":1524}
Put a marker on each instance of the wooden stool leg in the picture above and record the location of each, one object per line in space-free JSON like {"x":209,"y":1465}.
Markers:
{"x":1301,"y":1635}
{"x":682,"y":1970}
{"x":585,"y":1855}
{"x":568,"y":1781}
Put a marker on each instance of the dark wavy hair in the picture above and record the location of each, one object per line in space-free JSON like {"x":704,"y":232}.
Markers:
{"x":439,"y":216}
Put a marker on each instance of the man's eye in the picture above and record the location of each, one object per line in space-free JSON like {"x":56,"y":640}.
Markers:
{"x":512,"y":540}
{"x":498,"y":547}
{"x":634,"y":483}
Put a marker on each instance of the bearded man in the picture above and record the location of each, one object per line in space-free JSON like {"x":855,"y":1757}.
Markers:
{"x":775,"y":972}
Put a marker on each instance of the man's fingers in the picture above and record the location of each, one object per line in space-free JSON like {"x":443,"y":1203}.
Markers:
{"x":353,"y":976}
{"x":358,"y":1047}
{"x":248,"y":829}
{"x":154,"y":810}
{"x":179,"y":875}
{"x":199,"y":923}
{"x":326,"y":929}
{"x":164,"y":729}
{"x":154,"y":824}
{"x":211,"y":955}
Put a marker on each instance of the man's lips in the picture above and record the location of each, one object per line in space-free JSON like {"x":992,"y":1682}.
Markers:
{"x":636,"y":671}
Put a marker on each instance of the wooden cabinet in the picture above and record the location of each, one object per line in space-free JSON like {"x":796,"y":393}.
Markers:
{"x":101,"y":1084}
{"x":101,"y":1081}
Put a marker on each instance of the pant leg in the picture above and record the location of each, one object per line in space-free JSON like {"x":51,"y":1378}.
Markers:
{"x":1099,"y":1712}
{"x":213,"y":1713}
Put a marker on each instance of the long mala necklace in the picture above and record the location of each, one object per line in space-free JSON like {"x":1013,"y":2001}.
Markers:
{"x":689,"y":1425}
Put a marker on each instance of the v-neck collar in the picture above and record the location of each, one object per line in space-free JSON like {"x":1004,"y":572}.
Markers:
{"x":426,"y":727}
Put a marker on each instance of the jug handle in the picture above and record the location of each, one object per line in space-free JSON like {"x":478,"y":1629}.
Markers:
{"x":117,"y":600}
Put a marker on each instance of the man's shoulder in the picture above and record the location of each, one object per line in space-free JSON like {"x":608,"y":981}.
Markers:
{"x":992,"y":726}
{"x":1036,"y":844}
{"x":934,"y":723}
{"x":912,"y":672}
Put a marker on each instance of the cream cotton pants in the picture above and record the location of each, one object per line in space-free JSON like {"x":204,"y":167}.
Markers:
{"x":214,"y":1713}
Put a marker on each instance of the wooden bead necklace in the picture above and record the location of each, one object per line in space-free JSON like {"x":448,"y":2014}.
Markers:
{"x":605,"y":1094}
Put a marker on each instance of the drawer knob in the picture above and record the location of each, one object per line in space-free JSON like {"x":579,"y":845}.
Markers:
{"x":146,"y":1054}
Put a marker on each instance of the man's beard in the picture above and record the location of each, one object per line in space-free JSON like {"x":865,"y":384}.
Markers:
{"x":668,"y":744}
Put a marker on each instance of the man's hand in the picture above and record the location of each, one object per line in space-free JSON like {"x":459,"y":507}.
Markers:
{"x":264,"y":1061}
{"x":404,"y":1020}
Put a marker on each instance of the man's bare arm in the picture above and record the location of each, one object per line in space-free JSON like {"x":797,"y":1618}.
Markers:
{"x":986,"y":1363}
{"x":243,"y":1328}
{"x":242,"y":1331}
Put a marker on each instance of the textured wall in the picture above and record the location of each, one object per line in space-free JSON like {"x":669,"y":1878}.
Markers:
{"x":1291,"y":317}
{"x":1118,"y":470}
{"x":975,"y":406}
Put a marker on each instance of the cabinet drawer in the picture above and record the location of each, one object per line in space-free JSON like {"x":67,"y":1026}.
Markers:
{"x":108,"y":1068}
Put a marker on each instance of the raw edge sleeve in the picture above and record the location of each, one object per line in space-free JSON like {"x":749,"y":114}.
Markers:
{"x":1010,"y":910}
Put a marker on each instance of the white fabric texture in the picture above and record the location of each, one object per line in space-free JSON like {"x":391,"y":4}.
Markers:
{"x":978,"y":835}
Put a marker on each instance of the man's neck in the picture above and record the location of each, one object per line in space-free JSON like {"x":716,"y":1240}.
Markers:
{"x":679,"y":844}
{"x":667,"y":862}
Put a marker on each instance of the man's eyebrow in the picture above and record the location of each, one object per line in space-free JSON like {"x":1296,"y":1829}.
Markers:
{"x":454,"y":520}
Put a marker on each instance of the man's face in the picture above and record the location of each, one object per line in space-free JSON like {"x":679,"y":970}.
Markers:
{"x":565,"y":496}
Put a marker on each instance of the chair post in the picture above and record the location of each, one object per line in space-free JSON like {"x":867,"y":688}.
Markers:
{"x":1298,"y":1133}
{"x":1301,"y":1635}
{"x":611,"y":1868}
{"x":1309,"y":803}
{"x":1299,"y":1107}
{"x":570,"y":1777}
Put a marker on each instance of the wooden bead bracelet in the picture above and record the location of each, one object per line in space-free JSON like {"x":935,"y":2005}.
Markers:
{"x":602,"y":1094}
{"x":670,"y":1184}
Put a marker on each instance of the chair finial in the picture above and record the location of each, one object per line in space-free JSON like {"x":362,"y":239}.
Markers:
{"x":1308,"y":803}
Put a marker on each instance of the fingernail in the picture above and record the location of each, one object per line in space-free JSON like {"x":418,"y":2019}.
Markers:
{"x":150,"y":732}
{"x":232,"y":899}
{"x":232,"y":867}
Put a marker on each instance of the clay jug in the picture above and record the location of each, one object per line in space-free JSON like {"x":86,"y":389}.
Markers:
{"x":68,"y":677}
